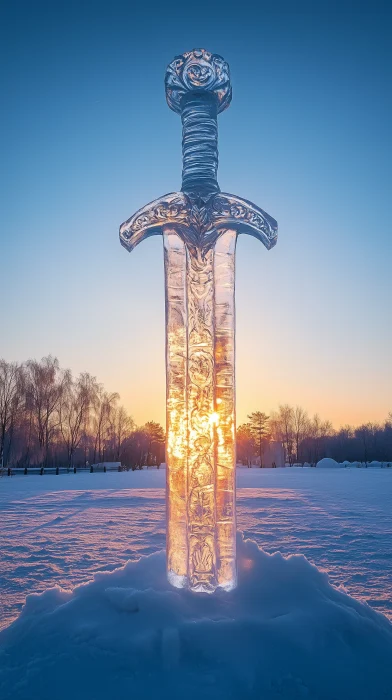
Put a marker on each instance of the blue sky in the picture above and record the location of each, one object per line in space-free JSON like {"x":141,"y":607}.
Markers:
{"x":87,"y":139}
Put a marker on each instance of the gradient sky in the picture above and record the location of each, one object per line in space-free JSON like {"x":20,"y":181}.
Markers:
{"x":87,"y":139}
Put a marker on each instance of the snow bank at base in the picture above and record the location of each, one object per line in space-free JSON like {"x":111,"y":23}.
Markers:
{"x":284,"y":633}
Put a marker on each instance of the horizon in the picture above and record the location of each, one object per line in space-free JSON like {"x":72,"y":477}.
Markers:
{"x":88,"y":139}
{"x":274,"y":409}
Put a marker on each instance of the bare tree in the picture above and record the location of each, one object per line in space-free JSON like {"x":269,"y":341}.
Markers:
{"x":282,"y":428}
{"x":74,"y":407}
{"x":123,"y":425}
{"x":45,"y":384}
{"x":105,"y":405}
{"x":11,"y":399}
{"x":319,"y":431}
{"x":135,"y":449}
{"x":301,"y":426}
{"x":368,"y":434}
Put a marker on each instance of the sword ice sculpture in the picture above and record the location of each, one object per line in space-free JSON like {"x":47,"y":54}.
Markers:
{"x":200,"y":225}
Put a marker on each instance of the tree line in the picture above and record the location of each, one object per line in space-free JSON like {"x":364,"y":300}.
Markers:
{"x":309,"y":439}
{"x":48,"y":417}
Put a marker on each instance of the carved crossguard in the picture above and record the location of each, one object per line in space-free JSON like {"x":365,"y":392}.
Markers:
{"x":198,"y":87}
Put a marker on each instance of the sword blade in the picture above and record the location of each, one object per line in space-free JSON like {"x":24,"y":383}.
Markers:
{"x":200,"y":412}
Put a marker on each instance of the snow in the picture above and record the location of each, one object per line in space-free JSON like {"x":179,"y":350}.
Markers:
{"x":284,"y":633}
{"x":60,"y":530}
{"x":327,"y":463}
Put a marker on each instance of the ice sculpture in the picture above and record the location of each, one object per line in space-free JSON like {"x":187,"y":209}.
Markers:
{"x":200,"y":225}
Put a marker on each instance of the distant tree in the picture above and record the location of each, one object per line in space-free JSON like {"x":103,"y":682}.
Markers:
{"x":75,"y":403}
{"x":156,"y":440}
{"x":283,"y":429}
{"x":369,"y":435}
{"x":45,"y":383}
{"x":246,"y":446}
{"x":343,"y":446}
{"x":258,"y":426}
{"x":320,"y":434}
{"x":135,"y":449}
{"x":45,"y":413}
{"x":301,"y":427}
{"x":12,"y":381}
{"x":123,"y":425}
{"x":105,"y":405}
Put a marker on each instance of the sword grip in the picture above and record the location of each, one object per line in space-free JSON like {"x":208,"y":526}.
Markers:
{"x":199,"y":143}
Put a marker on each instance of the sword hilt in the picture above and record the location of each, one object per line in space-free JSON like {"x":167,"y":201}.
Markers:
{"x":198,"y":87}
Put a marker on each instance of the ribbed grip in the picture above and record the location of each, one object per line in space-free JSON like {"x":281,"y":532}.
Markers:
{"x":199,"y":143}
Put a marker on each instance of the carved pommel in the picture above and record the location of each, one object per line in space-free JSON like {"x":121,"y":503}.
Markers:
{"x":198,"y":71}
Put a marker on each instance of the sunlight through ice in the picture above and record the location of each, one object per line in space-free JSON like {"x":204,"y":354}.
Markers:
{"x":200,"y":225}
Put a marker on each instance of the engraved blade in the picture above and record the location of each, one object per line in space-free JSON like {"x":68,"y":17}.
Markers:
{"x":200,"y":412}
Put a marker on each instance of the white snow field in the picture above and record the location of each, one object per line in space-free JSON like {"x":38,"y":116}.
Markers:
{"x":285,"y":632}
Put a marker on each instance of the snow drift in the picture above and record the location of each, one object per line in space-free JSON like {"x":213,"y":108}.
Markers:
{"x":284,"y":633}
{"x":327,"y":463}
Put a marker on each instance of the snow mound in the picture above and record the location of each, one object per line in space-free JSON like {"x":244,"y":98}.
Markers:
{"x":284,"y":633}
{"x":327,"y":463}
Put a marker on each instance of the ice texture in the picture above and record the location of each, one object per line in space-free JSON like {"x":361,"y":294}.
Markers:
{"x":200,"y":413}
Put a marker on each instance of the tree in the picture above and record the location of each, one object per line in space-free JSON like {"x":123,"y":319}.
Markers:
{"x":258,"y":426}
{"x":301,"y":426}
{"x":11,"y":398}
{"x":319,"y":432}
{"x":74,"y":408}
{"x":135,"y":449}
{"x":105,"y":404}
{"x":123,"y":425}
{"x":282,"y":429}
{"x":368,"y":435}
{"x":245,"y":444}
{"x":45,"y":385}
{"x":156,"y":440}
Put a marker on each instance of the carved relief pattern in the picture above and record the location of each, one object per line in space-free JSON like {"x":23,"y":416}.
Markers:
{"x":231,"y":211}
{"x":201,"y":458}
{"x":176,"y":407}
{"x":200,"y":413}
{"x":199,"y":222}
{"x":198,"y":70}
{"x":225,"y":452}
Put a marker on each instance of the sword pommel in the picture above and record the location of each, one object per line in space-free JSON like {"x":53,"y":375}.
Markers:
{"x":197,"y":72}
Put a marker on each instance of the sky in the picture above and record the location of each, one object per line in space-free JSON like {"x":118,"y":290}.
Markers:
{"x":87,"y":139}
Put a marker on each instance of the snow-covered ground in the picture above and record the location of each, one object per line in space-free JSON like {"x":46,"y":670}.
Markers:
{"x":285,"y":633}
{"x":59,"y":530}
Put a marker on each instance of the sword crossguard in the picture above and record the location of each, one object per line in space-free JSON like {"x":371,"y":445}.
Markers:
{"x":199,"y":225}
{"x":198,"y":87}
